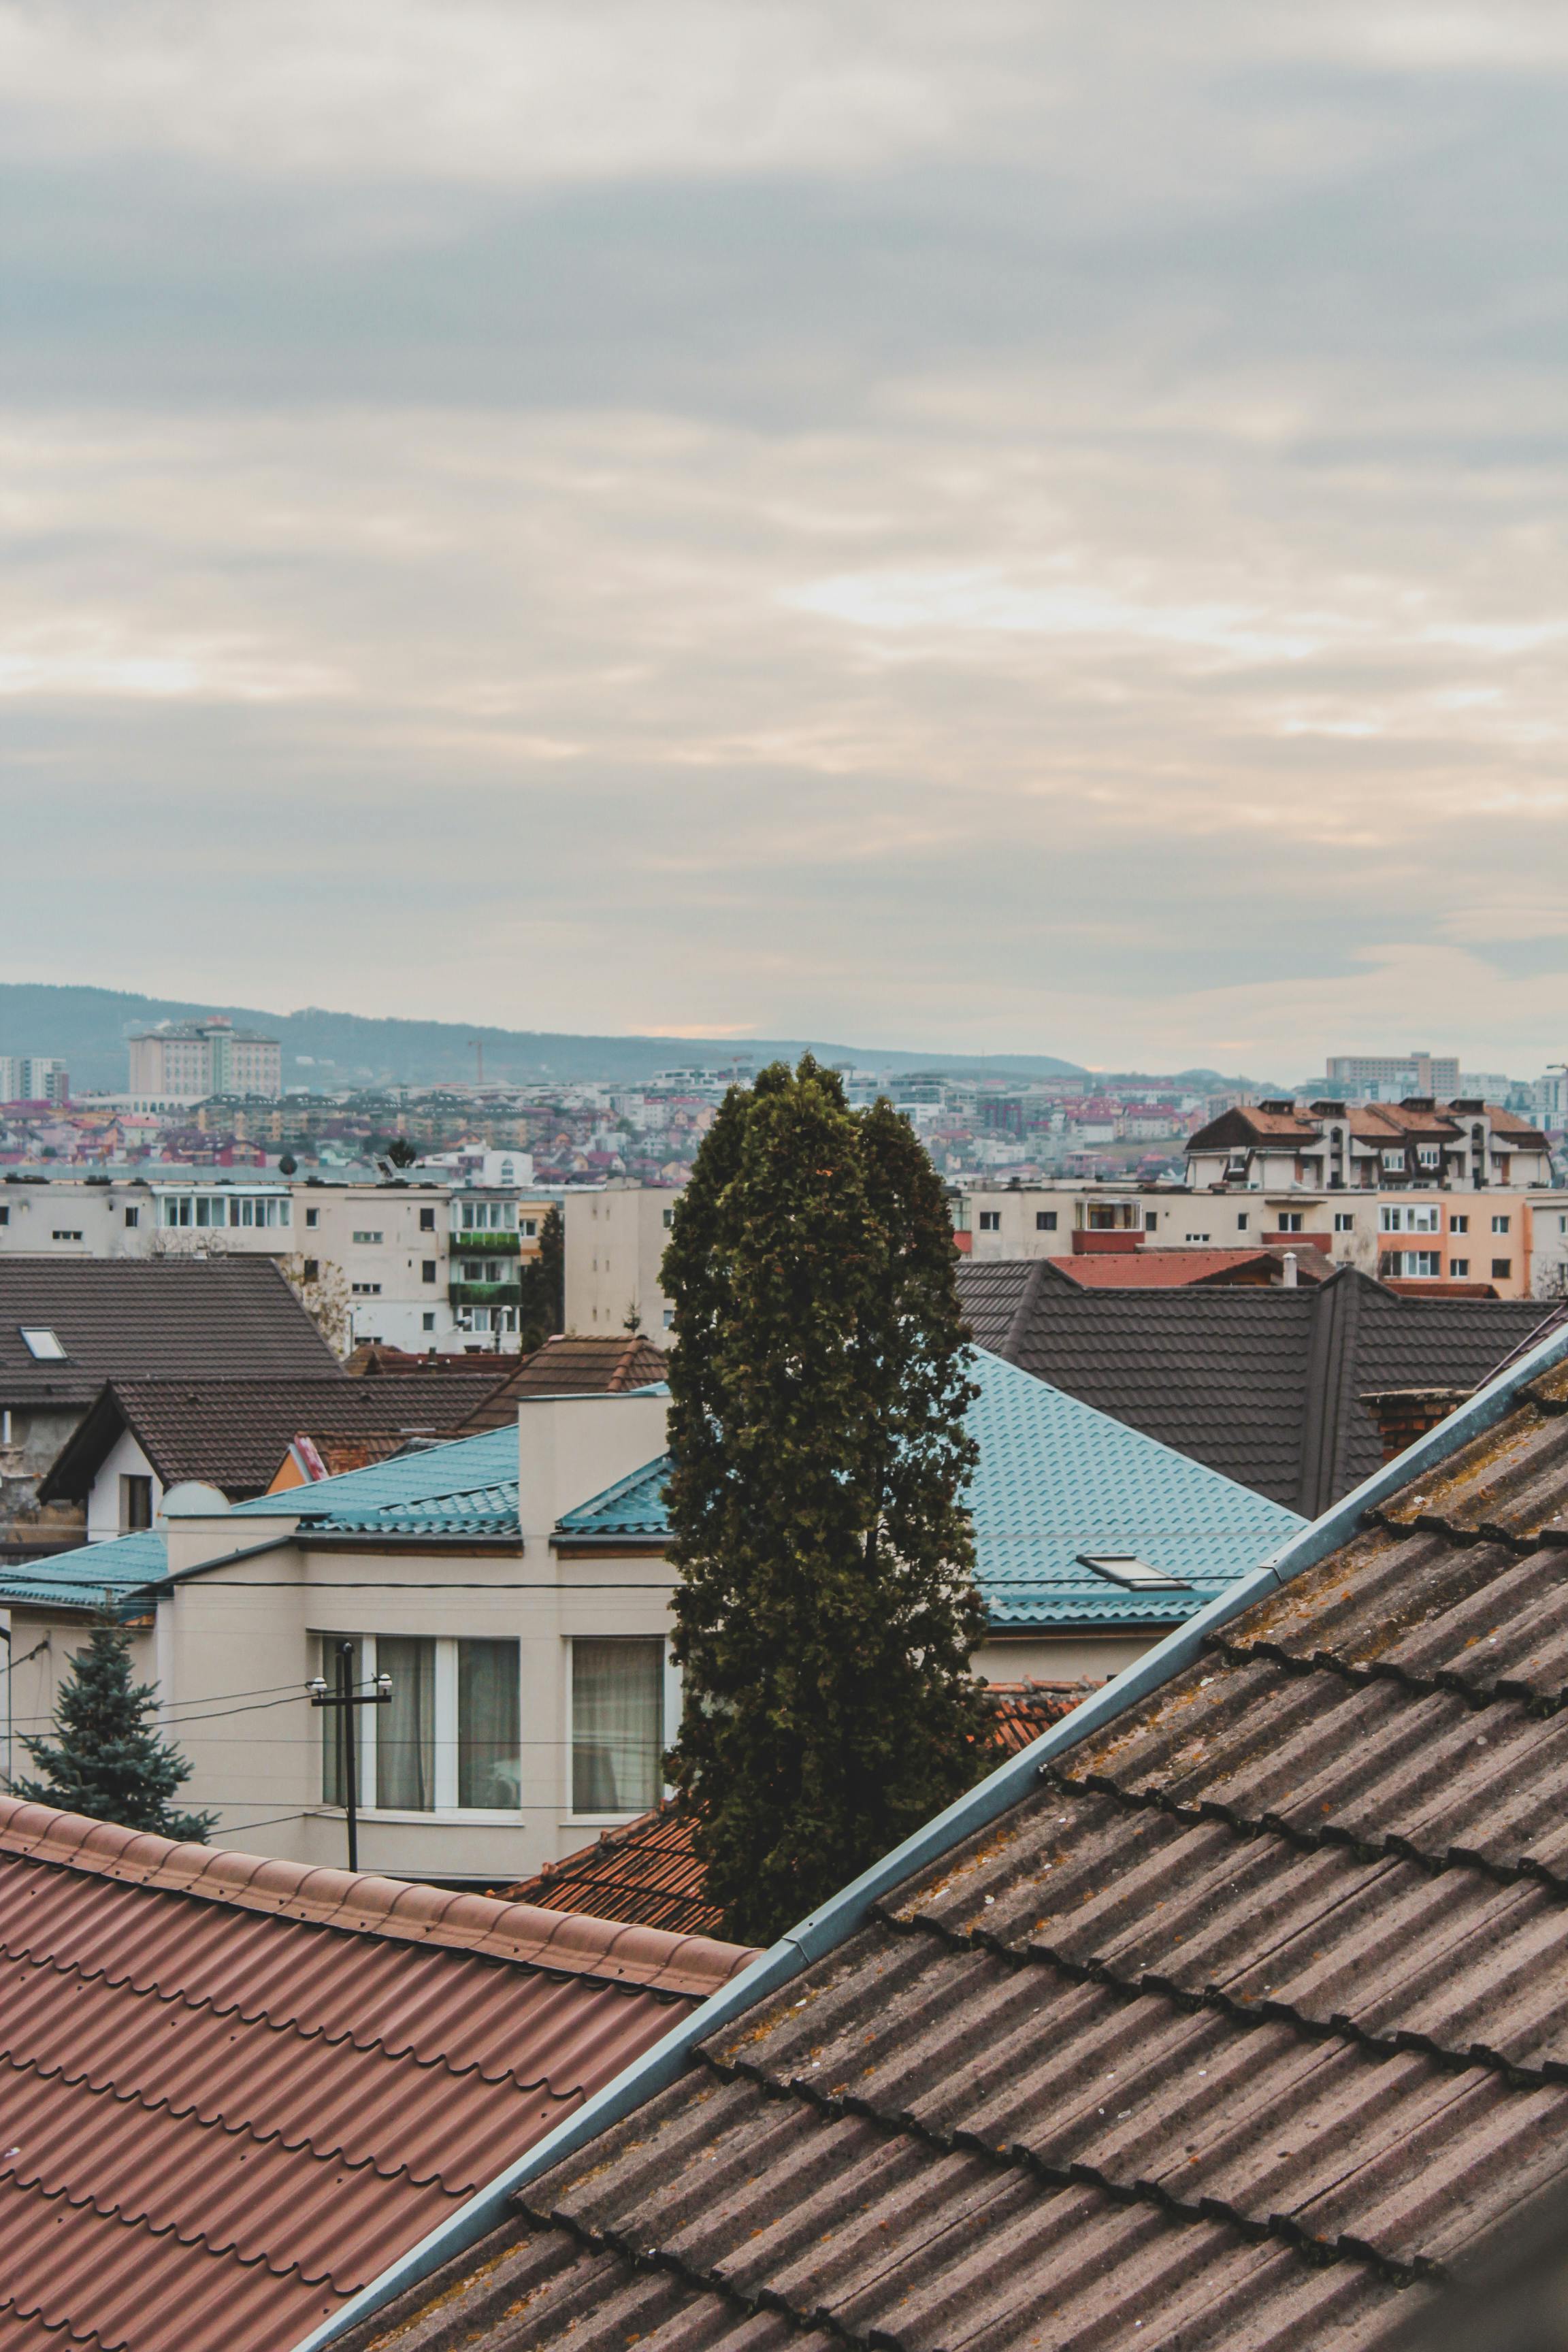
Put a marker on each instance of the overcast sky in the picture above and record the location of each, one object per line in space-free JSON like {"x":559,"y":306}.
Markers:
{"x":1028,"y":526}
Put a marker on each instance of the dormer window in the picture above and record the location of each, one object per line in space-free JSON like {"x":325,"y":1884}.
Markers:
{"x":42,"y":1344}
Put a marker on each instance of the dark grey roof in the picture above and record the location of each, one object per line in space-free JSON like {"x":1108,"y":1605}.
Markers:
{"x":1264,"y":1384}
{"x":1240,"y":2032}
{"x":212,"y":1319}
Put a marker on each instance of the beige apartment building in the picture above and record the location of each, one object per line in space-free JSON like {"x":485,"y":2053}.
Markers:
{"x":1516,"y":1242}
{"x":412,"y":1265}
{"x":184,"y":1061}
{"x":616,"y":1241}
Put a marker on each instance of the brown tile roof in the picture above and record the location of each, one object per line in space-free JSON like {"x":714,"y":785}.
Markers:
{"x":373,"y":1358}
{"x":235,"y":1433}
{"x":1242,"y":2032}
{"x":647,"y":1872}
{"x":570,"y":1366}
{"x":206,"y":1319}
{"x":235,"y":2089}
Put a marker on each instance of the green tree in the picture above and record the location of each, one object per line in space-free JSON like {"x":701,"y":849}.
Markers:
{"x":543,"y":1284}
{"x":401,"y":1152}
{"x":826,"y":1610}
{"x":105,"y":1760}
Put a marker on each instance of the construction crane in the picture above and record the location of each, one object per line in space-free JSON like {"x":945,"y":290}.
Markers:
{"x":478,"y":1045}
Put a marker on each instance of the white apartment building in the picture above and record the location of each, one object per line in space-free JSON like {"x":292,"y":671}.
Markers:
{"x":414,"y":1265}
{"x":187,"y":1061}
{"x":616,"y":1241}
{"x":32,"y":1078}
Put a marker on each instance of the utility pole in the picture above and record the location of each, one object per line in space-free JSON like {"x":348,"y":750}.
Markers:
{"x":345,"y":1698}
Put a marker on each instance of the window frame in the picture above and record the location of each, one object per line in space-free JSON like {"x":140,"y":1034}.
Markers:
{"x":670,"y":1687}
{"x":445,"y":1738}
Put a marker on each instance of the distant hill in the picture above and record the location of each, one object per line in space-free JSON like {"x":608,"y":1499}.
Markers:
{"x":87,"y":1027}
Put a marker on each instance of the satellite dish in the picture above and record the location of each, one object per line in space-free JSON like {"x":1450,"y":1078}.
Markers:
{"x":193,"y":1499}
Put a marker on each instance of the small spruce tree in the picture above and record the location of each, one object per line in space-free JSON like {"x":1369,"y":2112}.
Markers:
{"x":543,"y":1285}
{"x":105,"y":1760}
{"x":826,"y":1610}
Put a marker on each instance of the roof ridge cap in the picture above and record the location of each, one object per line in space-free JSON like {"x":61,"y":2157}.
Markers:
{"x":362,"y":1902}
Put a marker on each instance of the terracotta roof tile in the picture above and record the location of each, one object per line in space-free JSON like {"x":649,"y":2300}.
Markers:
{"x":236,"y":2088}
{"x":204,"y":1318}
{"x":570,"y":1366}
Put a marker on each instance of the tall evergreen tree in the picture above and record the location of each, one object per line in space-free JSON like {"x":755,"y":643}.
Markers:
{"x":106,"y":1760}
{"x":826,"y":1610}
{"x":543,"y":1284}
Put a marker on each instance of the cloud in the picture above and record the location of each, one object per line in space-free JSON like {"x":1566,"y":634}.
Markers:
{"x":1039,"y":528}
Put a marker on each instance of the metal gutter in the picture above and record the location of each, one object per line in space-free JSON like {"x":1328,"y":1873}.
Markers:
{"x":822,"y":1931}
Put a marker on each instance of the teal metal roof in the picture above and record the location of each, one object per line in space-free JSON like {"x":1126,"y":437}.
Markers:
{"x":93,"y":1576}
{"x":1056,"y":1480}
{"x":466,"y":1487}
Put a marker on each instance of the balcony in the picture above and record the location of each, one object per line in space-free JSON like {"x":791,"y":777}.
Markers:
{"x":485,"y":1293}
{"x":486,"y":1245}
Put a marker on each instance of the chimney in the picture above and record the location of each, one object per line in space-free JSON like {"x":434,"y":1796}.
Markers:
{"x":1404,"y":1414}
{"x":1288,"y":1275}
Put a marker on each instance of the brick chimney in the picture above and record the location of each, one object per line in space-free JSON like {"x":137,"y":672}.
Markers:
{"x":1404,"y":1414}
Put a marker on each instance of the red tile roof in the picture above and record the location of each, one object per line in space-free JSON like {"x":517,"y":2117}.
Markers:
{"x":236,"y":2089}
{"x":1165,"y":1269}
{"x":647,"y":1871}
{"x":570,"y":1366}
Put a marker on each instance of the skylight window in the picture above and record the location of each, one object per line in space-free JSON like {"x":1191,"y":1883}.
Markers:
{"x":41,"y":1344}
{"x":1126,"y":1569}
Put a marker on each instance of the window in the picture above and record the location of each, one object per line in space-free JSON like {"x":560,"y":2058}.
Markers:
{"x":312,"y":1270}
{"x":312,"y":1217}
{"x":65,"y":1233}
{"x":132,"y":1216}
{"x":529,"y":1229}
{"x":1418,"y":1217}
{"x":1195,"y":1237}
{"x":42,"y":1344}
{"x":427,"y":1269}
{"x":450,"y":1737}
{"x":668,"y":1218}
{"x":1150,"y":1221}
{"x":366,"y":1238}
{"x":1429,"y":1155}
{"x":1344,"y":1220}
{"x":1394,"y":1161}
{"x":1415,"y":1266}
{"x":1459,"y":1224}
{"x":1241,"y":1223}
{"x":617,"y":1724}
{"x":5,"y":1214}
{"x":367,"y":1289}
{"x":990,"y":1221}
{"x":427,"y":1220}
{"x":1045,"y":1220}
{"x":1459,"y":1265}
{"x":1502,"y":1268}
{"x":135,"y":1504}
{"x":669,"y":1318}
{"x":427,"y":1322}
{"x":1289,"y":1220}
{"x":1499,"y":1225}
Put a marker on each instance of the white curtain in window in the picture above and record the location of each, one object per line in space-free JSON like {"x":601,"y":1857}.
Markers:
{"x":489,"y":1763}
{"x":617,"y":1721}
{"x":405,"y":1731}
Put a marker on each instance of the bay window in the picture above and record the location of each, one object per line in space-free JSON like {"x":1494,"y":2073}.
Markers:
{"x":451,"y":1738}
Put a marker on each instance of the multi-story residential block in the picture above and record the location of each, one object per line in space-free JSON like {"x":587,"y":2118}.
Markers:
{"x":616,"y":1241}
{"x":185,"y":1061}
{"x":416,"y":1266}
{"x":1390,"y":1075}
{"x":33,"y":1078}
{"x":1468,"y":1144}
